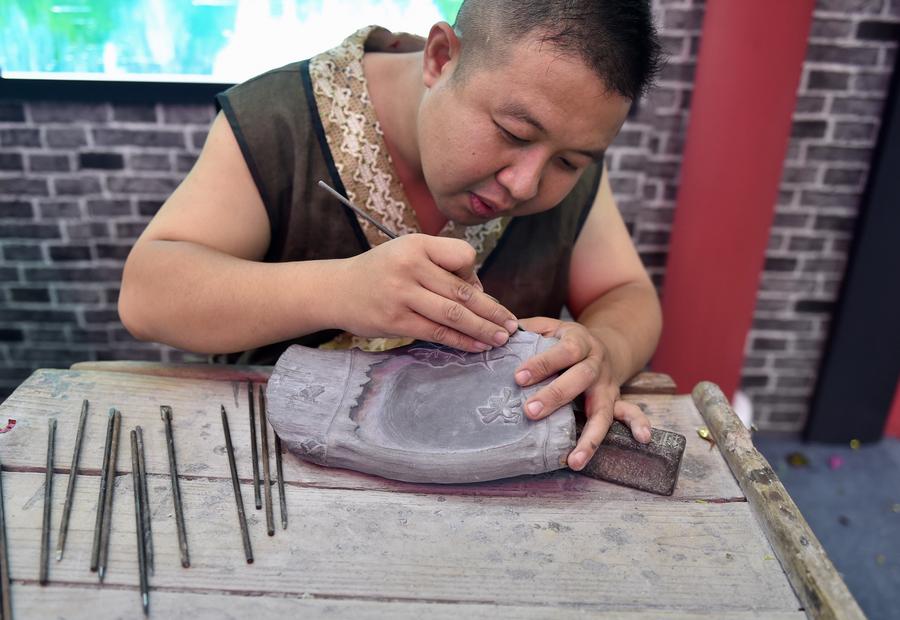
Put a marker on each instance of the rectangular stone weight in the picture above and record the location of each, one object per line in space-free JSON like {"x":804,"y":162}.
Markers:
{"x":652,"y":467}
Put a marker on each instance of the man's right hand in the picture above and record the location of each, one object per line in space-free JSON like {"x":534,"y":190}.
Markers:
{"x":422,"y":287}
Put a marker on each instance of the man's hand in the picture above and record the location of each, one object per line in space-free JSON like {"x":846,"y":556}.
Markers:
{"x":422,"y":287}
{"x":588,"y":368}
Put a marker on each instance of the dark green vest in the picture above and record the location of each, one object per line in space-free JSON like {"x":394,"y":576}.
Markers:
{"x":276,"y":123}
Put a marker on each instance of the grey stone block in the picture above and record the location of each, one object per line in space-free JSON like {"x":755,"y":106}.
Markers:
{"x":853,"y":55}
{"x":66,"y":137}
{"x":77,"y":186}
{"x":11,"y":161}
{"x":878,"y":31}
{"x":828,"y":80}
{"x":22,"y":252}
{"x":139,"y":137}
{"x":68,"y":112}
{"x":141,"y":185}
{"x":16,"y":136}
{"x":16,"y":209}
{"x":101,"y":161}
{"x":66,"y":253}
{"x":59,"y":209}
{"x":195,"y":114}
{"x":863,"y":131}
{"x":48,"y":162}
{"x":19,"y":231}
{"x":30,"y":295}
{"x":12,"y":112}
{"x":140,"y":113}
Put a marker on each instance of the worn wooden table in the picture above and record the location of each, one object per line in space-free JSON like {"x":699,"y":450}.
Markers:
{"x":558,"y":545}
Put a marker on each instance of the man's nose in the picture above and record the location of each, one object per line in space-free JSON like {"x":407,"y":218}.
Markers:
{"x":522,"y":178}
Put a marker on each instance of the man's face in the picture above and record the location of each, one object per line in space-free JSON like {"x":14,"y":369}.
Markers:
{"x":513,"y":138}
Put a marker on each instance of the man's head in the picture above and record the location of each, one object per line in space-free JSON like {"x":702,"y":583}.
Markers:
{"x":523,"y":95}
{"x":614,"y":38}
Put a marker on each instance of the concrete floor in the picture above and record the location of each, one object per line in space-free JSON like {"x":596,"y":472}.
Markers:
{"x":851,"y":500}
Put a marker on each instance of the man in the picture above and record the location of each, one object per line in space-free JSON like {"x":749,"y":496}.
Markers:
{"x":488,"y":137}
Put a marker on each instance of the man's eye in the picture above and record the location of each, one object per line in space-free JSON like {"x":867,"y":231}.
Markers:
{"x":567,"y":164}
{"x":511,"y":137}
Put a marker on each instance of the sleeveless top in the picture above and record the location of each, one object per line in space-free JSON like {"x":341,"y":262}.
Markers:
{"x":313,"y":120}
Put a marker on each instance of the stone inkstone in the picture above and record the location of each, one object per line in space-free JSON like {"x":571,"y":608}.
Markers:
{"x":428,"y":413}
{"x":420,"y":413}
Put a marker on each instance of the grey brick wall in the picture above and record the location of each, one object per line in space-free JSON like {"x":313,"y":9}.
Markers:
{"x":78,"y":182}
{"x":848,"y":64}
{"x":851,"y":53}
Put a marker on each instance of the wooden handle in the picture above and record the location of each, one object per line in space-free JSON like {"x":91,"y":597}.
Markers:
{"x":812,"y":575}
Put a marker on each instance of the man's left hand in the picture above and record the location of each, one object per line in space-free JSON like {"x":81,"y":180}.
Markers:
{"x":586,"y":366}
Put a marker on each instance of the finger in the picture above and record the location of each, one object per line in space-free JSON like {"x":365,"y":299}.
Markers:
{"x":632,"y":416}
{"x":565,"y":353}
{"x":593,"y":433}
{"x":457,"y":317}
{"x":478,"y":303}
{"x":563,"y":389}
{"x":422,"y":328}
{"x":542,"y":325}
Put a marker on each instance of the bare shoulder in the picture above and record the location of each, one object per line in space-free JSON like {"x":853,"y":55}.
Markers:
{"x":217,"y":204}
{"x":604,"y":256}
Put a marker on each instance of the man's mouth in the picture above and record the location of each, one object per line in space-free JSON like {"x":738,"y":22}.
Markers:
{"x":482,"y":207}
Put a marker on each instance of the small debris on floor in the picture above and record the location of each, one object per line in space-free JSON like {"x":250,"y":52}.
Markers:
{"x":797,"y":459}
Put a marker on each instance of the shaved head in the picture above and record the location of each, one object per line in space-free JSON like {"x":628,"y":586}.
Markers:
{"x":616,"y":39}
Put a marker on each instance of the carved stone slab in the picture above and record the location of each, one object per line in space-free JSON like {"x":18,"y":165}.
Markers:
{"x":421,"y":413}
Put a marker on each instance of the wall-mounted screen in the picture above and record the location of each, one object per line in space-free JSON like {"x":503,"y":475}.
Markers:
{"x":215,"y":41}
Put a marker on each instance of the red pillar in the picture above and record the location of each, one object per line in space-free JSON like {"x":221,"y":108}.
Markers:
{"x":749,"y":66}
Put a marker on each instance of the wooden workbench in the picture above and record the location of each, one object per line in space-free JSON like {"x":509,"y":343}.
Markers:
{"x":558,"y":545}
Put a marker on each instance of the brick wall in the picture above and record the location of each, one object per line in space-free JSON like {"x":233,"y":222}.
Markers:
{"x":78,"y":182}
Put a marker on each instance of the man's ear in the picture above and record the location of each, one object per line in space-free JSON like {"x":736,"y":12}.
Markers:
{"x":441,"y":53}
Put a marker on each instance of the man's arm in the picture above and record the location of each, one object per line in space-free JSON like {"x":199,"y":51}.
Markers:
{"x":609,"y":289}
{"x":618,"y":326}
{"x":194,"y":278}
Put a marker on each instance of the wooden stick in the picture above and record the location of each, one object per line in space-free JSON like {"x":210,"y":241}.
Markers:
{"x":139,"y":522}
{"x":166,"y":413}
{"x":48,"y":499}
{"x":279,"y":470}
{"x":145,"y":498}
{"x":106,"y":527}
{"x":236,"y":485}
{"x":5,"y":595}
{"x":267,"y":488}
{"x":254,"y":454}
{"x":812,"y":575}
{"x":70,"y":488}
{"x":101,"y":498}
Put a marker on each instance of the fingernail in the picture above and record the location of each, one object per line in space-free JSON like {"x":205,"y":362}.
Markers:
{"x":501,"y":337}
{"x":645,"y":435}
{"x":534,"y":407}
{"x":511,"y":326}
{"x":483,"y":347}
{"x":523,"y":377}
{"x":578,"y":461}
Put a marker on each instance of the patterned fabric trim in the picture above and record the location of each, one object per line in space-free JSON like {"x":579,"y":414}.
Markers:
{"x":357,"y":146}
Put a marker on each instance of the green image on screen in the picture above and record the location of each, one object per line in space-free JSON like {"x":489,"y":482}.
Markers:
{"x":189,"y":40}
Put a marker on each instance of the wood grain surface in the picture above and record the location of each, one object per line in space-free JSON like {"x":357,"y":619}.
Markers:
{"x":553,"y":545}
